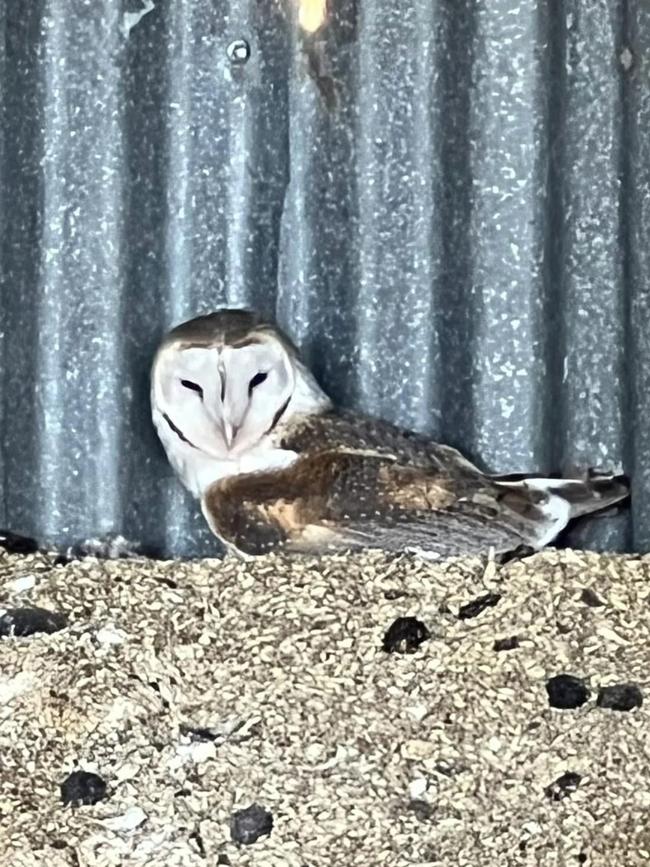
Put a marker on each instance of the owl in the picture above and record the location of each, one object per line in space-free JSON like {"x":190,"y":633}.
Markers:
{"x":277,"y":467}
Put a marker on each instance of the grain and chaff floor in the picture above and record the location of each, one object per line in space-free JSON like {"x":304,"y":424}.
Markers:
{"x":195,"y":689}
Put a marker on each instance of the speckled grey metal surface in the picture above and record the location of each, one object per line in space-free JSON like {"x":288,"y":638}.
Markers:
{"x":445,"y":203}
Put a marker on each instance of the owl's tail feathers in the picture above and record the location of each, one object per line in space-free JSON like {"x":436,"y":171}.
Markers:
{"x":564,"y":499}
{"x":590,"y":494}
{"x":585,"y":492}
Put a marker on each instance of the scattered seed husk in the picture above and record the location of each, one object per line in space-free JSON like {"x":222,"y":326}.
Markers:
{"x":200,"y":688}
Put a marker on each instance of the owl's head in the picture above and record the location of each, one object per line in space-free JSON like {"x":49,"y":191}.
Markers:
{"x":220,"y":385}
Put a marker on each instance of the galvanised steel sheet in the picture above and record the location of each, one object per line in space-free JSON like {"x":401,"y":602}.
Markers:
{"x":445,"y":202}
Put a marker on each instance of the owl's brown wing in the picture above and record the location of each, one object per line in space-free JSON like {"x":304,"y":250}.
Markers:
{"x":348,"y":499}
{"x":344,"y":429}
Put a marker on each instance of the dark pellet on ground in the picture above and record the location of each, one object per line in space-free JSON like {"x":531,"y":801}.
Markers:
{"x":82,"y":787}
{"x":405,"y":635}
{"x":247,"y":826}
{"x":510,"y":643}
{"x":590,"y":598}
{"x":22,"y":622}
{"x":563,"y":787}
{"x":14,"y":543}
{"x":198,"y":733}
{"x":566,"y":691}
{"x":422,"y":809}
{"x":392,"y":595}
{"x":620,"y":696}
{"x":477,"y":606}
{"x":519,"y":553}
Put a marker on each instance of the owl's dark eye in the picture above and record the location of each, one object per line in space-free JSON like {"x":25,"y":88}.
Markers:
{"x":258,"y":379}
{"x":193,"y":386}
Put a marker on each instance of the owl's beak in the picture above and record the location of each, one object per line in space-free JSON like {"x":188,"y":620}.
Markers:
{"x":230,"y":432}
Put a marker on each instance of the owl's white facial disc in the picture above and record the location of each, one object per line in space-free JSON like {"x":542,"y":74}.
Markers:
{"x":214,"y":405}
{"x":259,"y":380}
{"x":220,"y":385}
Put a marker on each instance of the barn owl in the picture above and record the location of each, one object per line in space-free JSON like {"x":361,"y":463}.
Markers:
{"x":277,"y":467}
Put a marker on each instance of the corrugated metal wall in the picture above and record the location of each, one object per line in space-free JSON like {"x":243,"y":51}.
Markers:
{"x":445,"y":202}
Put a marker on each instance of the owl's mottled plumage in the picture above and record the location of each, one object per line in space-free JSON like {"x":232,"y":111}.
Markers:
{"x":279,"y":468}
{"x":359,"y":482}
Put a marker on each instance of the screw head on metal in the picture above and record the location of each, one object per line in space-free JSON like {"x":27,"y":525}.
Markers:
{"x":238,"y":52}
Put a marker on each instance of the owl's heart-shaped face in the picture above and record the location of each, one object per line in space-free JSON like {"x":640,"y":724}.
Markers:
{"x":220,"y":385}
{"x":222,"y":400}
